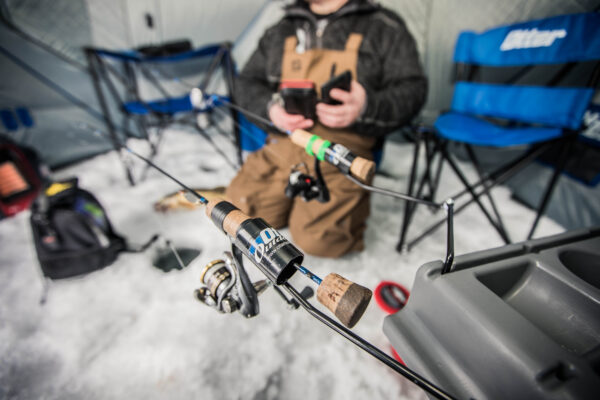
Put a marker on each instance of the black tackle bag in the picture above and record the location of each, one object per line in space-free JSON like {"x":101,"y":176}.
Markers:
{"x":71,"y":231}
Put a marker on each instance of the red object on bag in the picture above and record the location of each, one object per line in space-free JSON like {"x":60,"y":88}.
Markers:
{"x":19,"y":181}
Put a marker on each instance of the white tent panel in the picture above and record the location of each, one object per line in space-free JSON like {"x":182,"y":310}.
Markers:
{"x":246,"y":43}
{"x":206,"y":21}
{"x":109,"y":24}
{"x":118,"y":24}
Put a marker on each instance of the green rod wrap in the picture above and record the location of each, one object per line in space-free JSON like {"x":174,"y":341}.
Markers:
{"x":321,"y":152}
{"x":309,"y":144}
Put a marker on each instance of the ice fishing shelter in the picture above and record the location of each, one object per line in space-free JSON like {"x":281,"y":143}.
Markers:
{"x":45,"y":73}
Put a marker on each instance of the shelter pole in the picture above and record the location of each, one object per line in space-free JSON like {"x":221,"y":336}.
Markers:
{"x":92,"y":64}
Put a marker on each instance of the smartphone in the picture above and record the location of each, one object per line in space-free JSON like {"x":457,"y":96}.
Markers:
{"x":341,"y":81}
{"x":299,"y":97}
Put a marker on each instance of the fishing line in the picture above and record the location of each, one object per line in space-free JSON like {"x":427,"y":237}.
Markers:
{"x":202,"y":199}
{"x":252,"y":137}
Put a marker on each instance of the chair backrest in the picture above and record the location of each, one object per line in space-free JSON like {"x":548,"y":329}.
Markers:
{"x":156,"y":79}
{"x":539,"y":72}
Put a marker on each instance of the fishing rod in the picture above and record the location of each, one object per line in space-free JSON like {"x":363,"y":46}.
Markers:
{"x":447,"y":205}
{"x":333,"y":153}
{"x":359,"y":170}
{"x":275,"y":256}
{"x":278,"y":260}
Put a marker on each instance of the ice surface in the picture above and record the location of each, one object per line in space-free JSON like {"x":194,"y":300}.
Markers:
{"x":131,"y":331}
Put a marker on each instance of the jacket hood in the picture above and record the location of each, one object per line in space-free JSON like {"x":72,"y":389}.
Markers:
{"x":300,"y":8}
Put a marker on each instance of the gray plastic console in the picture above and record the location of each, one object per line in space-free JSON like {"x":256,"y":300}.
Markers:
{"x":517,"y":322}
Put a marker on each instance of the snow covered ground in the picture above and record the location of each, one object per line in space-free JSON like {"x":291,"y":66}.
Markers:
{"x":132,"y":331}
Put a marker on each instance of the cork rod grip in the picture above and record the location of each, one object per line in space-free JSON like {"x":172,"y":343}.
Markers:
{"x":361,"y":168}
{"x":301,"y":138}
{"x":345,"y":299}
{"x":232,"y":220}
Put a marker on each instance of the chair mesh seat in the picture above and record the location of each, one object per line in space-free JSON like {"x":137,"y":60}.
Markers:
{"x":166,"y":106}
{"x":477,"y":131}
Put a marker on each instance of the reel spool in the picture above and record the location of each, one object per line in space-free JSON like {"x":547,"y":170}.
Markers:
{"x":221,"y":290}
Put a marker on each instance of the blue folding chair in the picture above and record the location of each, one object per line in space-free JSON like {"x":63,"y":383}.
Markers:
{"x":117,"y":75}
{"x":523,"y":84}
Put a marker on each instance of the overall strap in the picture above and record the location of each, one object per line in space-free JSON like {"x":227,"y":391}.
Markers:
{"x":354,"y":41}
{"x":290,"y":44}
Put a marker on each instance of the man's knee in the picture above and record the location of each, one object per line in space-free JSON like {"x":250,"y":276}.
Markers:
{"x":258,"y":199}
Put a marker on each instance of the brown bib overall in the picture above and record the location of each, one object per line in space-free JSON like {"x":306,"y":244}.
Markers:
{"x":330,"y":229}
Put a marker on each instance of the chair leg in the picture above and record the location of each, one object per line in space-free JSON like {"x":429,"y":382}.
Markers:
{"x":154,"y":146}
{"x":558,"y":169}
{"x":430,"y":152}
{"x":408,"y":209}
{"x":229,"y":75}
{"x":222,"y":132}
{"x":151,"y":139}
{"x":438,"y":174}
{"x":473,"y":194}
{"x":426,"y":180}
{"x":94,"y":68}
{"x":497,"y":177}
{"x":205,"y":135}
{"x":485,"y":184}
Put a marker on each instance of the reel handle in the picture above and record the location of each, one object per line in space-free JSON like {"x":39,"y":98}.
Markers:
{"x":345,"y":299}
{"x":359,"y":167}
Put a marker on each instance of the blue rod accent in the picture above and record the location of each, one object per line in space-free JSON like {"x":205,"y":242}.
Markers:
{"x":312,"y":276}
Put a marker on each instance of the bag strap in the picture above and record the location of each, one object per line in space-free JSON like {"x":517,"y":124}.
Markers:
{"x":128,"y":248}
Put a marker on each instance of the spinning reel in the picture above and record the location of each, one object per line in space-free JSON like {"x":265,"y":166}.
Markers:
{"x":224,"y":290}
{"x":306,"y":186}
{"x":228,"y":289}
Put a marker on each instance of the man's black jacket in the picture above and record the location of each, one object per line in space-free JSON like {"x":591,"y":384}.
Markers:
{"x":388,"y":63}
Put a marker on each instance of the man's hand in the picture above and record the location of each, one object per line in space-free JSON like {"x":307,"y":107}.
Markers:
{"x":288,"y":122}
{"x":343,"y":115}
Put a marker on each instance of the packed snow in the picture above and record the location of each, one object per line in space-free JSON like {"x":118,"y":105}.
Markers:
{"x":132,"y":331}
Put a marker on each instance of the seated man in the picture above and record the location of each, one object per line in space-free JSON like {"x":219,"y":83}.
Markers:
{"x":387,"y":90}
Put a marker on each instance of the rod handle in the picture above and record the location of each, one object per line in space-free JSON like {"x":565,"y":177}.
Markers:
{"x":345,"y":299}
{"x":228,"y":217}
{"x":363,"y":169}
{"x":360,"y":167}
